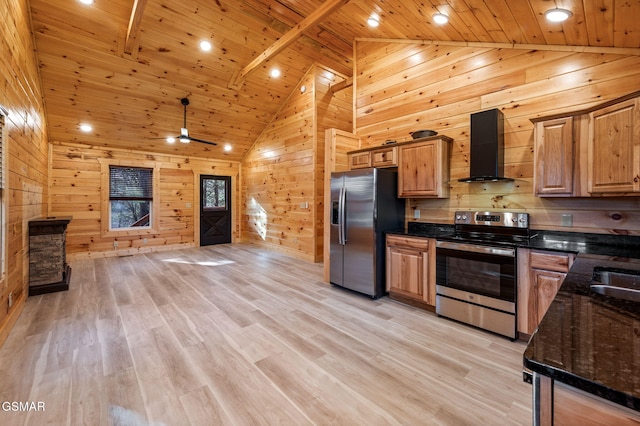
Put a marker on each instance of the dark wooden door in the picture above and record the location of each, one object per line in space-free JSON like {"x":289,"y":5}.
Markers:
{"x":215,"y":210}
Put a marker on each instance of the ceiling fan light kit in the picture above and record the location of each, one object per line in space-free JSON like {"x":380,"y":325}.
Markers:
{"x":184,"y":132}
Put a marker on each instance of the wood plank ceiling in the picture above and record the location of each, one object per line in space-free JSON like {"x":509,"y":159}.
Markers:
{"x":124,"y":65}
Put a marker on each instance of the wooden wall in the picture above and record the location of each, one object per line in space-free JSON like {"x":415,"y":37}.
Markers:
{"x":75,"y":191}
{"x":283,"y":173}
{"x":26,"y":140}
{"x":406,"y":86}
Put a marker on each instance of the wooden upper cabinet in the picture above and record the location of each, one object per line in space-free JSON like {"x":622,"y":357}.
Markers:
{"x":384,"y":157}
{"x":423,"y":169}
{"x":553,"y":147}
{"x":589,"y":153}
{"x":359,"y":160}
{"x":614,"y":149}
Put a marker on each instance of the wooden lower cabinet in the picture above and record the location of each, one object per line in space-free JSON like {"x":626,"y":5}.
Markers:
{"x":560,"y":404}
{"x":540,"y":275}
{"x":411,"y":269}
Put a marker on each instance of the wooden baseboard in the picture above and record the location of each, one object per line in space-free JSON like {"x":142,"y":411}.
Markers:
{"x":10,"y":320}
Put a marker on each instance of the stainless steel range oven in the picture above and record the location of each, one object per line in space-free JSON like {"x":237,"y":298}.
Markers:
{"x":476,"y":270}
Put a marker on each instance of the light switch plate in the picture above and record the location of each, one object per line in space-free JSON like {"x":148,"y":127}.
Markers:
{"x":566,"y":220}
{"x":416,"y":214}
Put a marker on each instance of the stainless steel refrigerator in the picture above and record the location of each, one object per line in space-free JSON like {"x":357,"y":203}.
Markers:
{"x":364,"y":205}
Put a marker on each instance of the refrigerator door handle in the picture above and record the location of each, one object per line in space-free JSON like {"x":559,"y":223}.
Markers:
{"x":342,"y":229}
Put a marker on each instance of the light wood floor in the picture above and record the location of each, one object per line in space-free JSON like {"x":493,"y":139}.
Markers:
{"x":238,"y":336}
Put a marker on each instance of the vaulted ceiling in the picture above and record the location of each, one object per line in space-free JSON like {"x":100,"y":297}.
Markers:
{"x":123,"y":65}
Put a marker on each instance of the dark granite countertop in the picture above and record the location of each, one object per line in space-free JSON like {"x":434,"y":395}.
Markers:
{"x":589,"y":341}
{"x":585,"y":340}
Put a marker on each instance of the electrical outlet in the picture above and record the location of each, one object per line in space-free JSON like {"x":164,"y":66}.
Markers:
{"x":416,"y":214}
{"x":566,"y":220}
{"x":10,"y":300}
{"x":115,"y":244}
{"x":188,"y":205}
{"x":144,"y":241}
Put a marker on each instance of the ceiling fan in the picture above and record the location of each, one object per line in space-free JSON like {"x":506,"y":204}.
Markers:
{"x":184,"y":132}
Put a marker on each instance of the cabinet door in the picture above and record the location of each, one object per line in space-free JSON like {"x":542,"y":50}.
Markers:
{"x":553,"y":144}
{"x":540,"y":275}
{"x":614,"y":149}
{"x":546,"y":285}
{"x":360,"y":160}
{"x":405,"y":271}
{"x":423,"y":169}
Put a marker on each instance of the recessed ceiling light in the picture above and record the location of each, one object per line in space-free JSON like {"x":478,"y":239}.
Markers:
{"x":227,"y":147}
{"x":86,"y":1}
{"x":557,"y":15}
{"x":275,"y":73}
{"x":171,"y":139}
{"x":86,"y":127}
{"x":440,"y":18}
{"x":205,"y":45}
{"x":374,"y":20}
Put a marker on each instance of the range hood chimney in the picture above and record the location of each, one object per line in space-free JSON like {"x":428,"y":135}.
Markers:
{"x":486,"y":156}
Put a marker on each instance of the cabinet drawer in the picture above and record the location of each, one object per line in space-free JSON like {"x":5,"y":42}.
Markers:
{"x":360,"y":160}
{"x":385,"y":157}
{"x":560,"y":262}
{"x":408,"y":242}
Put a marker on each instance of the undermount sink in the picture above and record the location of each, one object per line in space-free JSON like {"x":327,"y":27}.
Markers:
{"x":617,"y":283}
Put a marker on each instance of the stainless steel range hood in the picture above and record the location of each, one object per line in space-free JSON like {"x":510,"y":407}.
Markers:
{"x":486,"y":160}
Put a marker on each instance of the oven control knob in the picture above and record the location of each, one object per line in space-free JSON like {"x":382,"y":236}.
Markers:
{"x":464,"y":217}
{"x":458,"y":217}
{"x":523,"y":220}
{"x":514,"y":220}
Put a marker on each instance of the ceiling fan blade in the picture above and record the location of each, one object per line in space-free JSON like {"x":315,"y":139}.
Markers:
{"x":202,"y":141}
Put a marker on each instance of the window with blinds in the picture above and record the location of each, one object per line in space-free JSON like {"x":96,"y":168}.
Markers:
{"x":130,"y":196}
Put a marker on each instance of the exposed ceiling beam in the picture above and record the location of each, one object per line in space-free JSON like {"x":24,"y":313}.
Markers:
{"x":318,"y":15}
{"x":134,"y":25}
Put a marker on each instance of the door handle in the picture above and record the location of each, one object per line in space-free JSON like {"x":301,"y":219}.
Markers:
{"x":342,"y":217}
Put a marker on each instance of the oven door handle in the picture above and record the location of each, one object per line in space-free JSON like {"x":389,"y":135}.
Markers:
{"x":476,"y":248}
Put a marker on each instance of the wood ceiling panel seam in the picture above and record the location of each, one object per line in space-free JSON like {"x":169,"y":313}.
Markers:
{"x":485,"y":21}
{"x":627,"y":15}
{"x":526,"y":20}
{"x":407,"y":27}
{"x":449,"y":31}
{"x":599,"y":22}
{"x":463,"y":16}
{"x":506,"y":20}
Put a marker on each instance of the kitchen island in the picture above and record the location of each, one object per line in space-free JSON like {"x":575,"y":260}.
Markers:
{"x":590,"y":343}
